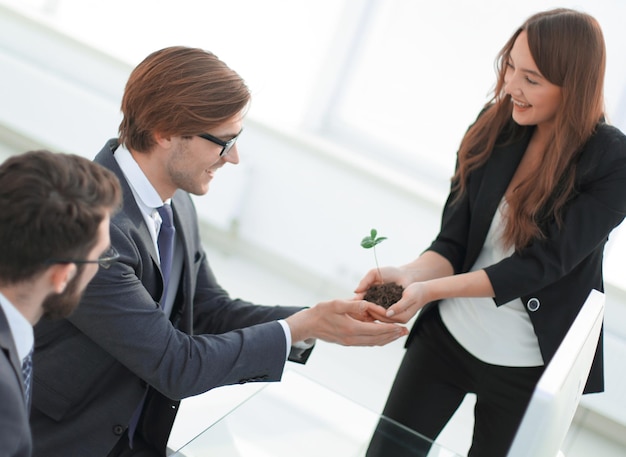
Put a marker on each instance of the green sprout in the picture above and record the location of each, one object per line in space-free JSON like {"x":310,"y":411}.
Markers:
{"x":370,"y":242}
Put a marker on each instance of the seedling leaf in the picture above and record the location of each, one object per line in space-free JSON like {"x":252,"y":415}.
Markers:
{"x":371,"y":241}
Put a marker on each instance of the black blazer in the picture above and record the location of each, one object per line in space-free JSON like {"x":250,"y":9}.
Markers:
{"x":553,"y":276}
{"x":92,"y":369}
{"x":15,"y":439}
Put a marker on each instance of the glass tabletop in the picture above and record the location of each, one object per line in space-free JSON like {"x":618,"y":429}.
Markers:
{"x":299,"y":417}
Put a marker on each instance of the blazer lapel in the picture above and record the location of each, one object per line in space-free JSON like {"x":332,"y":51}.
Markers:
{"x":181,"y":209}
{"x":491,"y":186}
{"x":182,"y":229}
{"x":8,"y":346}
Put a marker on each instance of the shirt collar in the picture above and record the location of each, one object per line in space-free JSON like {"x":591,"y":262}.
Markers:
{"x":21,"y":329}
{"x":145,"y":194}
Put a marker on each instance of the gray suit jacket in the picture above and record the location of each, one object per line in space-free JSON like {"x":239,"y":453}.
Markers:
{"x":15,"y":440}
{"x":93,"y":368}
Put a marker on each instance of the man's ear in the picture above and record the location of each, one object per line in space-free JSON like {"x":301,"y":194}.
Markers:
{"x":60,"y":275}
{"x":163,"y":141}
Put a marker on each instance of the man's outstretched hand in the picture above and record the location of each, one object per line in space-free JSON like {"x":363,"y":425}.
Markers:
{"x":345,"y":322}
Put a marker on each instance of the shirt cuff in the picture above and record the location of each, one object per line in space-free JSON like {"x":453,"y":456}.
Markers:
{"x":287,"y":331}
{"x":306,"y":344}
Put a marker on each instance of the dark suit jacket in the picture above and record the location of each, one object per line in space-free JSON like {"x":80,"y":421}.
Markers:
{"x":92,"y":369}
{"x":15,"y":439}
{"x":553,"y":276}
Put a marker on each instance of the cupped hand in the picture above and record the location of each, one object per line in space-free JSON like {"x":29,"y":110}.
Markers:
{"x":378,"y":276}
{"x":345,"y":322}
{"x":413,"y":299}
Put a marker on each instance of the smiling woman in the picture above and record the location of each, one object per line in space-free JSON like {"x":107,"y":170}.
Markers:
{"x":537,"y":190}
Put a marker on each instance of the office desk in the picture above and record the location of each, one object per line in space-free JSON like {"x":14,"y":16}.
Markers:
{"x":296,"y":417}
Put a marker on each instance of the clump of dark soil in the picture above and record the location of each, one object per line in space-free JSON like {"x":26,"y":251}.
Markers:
{"x":385,"y":294}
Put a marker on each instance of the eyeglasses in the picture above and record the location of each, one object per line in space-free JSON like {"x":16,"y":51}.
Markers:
{"x":108,"y":258}
{"x":226,"y":145}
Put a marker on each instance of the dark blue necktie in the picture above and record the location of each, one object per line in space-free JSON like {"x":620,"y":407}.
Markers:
{"x":27,"y":374}
{"x":165,"y":241}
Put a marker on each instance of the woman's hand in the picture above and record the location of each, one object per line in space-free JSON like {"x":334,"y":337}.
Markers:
{"x":412,"y":277}
{"x":386,"y":274}
{"x":418,"y":294}
{"x":414,"y":297}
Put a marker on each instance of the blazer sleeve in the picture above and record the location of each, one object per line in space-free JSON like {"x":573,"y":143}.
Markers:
{"x":598,"y":207}
{"x":215,"y":311}
{"x":119,"y":314}
{"x":452,"y":240}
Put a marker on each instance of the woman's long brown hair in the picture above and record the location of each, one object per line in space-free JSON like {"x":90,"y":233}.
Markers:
{"x":568,"y":49}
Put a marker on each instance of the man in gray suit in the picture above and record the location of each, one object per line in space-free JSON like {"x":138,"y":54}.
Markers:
{"x":54,"y":230}
{"x":157,"y":327}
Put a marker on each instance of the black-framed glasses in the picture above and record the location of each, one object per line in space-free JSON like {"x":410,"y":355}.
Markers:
{"x":108,"y":258}
{"x":226,"y":145}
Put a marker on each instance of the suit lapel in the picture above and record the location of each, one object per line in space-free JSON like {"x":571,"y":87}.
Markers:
{"x":182,"y":212}
{"x":7,"y":343}
{"x":183,"y":230}
{"x":490,"y":188}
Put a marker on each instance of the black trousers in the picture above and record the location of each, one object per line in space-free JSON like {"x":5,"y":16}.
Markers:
{"x":432,"y":381}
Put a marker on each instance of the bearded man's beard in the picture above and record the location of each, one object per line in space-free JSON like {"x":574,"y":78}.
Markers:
{"x":56,"y":306}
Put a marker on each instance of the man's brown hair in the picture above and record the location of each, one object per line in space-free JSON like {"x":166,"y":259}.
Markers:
{"x":179,"y":91}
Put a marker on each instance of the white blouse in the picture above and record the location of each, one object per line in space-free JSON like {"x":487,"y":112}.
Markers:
{"x":498,"y":335}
